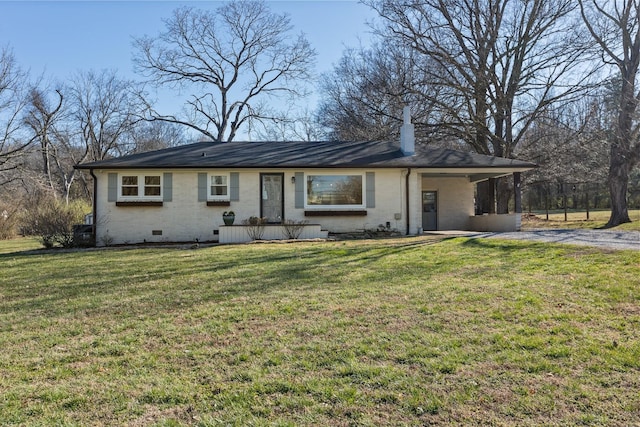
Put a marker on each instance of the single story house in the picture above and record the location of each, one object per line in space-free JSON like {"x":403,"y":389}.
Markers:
{"x":179,"y":194}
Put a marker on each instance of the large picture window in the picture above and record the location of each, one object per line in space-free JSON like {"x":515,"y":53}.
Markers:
{"x":141,"y":186}
{"x":218,"y":187}
{"x":334,"y":190}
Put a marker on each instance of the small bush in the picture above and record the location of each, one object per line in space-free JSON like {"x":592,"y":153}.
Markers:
{"x":255,"y":227}
{"x":53,"y":222}
{"x":292,"y":229}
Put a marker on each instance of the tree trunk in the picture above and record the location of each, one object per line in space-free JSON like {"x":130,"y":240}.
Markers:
{"x":586,"y":201}
{"x":486,"y":197}
{"x":517,"y":192}
{"x":546,"y":201}
{"x":504,"y":193}
{"x":618,"y":182}
{"x":622,"y":158}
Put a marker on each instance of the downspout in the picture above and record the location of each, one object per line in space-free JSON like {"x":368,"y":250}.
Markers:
{"x":406,"y":192}
{"x":408,"y":149}
{"x":94,"y":229}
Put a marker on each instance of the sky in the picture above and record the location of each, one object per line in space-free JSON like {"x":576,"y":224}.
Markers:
{"x":58,"y":38}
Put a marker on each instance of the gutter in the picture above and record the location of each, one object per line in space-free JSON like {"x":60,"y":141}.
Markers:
{"x":406,"y":192}
{"x":95,"y":206}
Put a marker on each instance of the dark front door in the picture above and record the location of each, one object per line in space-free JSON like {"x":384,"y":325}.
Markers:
{"x":272,"y":197}
{"x":429,"y":210}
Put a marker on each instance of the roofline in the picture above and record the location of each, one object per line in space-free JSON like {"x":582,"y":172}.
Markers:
{"x":362,"y":155}
{"x":518,"y":168}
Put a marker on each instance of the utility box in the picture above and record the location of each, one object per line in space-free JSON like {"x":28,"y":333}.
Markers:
{"x":83,"y":235}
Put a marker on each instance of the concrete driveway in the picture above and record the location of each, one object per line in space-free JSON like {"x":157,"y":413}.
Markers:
{"x":598,"y":238}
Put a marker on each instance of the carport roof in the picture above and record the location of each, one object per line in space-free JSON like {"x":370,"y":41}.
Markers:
{"x":367,"y":154}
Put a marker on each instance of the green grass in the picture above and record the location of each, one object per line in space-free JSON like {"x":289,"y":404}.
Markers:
{"x":578,"y":219}
{"x":19,"y":245}
{"x":410,"y":331}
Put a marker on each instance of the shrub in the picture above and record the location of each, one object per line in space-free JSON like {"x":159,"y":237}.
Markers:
{"x":292,"y":229}
{"x":53,"y":221}
{"x":255,"y":227}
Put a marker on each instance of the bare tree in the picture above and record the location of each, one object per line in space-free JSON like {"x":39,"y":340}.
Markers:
{"x":13,"y":142}
{"x":105,"y":109}
{"x":301,"y":125}
{"x":234,"y":58}
{"x":156,"y":135}
{"x":501,"y":63}
{"x":59,"y":149}
{"x":42,"y":117}
{"x":93,"y":117}
{"x":615,"y":26}
{"x":363,"y":97}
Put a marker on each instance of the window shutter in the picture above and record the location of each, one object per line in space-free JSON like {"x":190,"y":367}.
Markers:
{"x":167,"y":187}
{"x":371,"y":189}
{"x":202,"y":187}
{"x":299,"y":190}
{"x":112,"y":187}
{"x":234,"y":186}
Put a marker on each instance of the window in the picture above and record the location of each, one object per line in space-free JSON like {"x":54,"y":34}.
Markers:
{"x":129,"y":186}
{"x":152,"y":185}
{"x":334,"y":190}
{"x":141,"y":186}
{"x":218,"y":187}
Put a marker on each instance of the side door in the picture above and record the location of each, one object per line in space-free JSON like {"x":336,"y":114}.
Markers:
{"x":429,"y":210}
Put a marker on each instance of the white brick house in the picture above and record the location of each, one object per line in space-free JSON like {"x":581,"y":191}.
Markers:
{"x":179,"y":194}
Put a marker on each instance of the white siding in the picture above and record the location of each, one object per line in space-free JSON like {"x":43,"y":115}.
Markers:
{"x":182,"y":219}
{"x":389,"y":186}
{"x":455,"y":201}
{"x":239,"y":234}
{"x":415,"y":203}
{"x":185,"y":219}
{"x":493,"y":222}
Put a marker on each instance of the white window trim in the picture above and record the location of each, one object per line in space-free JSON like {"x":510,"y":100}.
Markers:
{"x":219,"y":198}
{"x":141,"y":186}
{"x":334,"y":207}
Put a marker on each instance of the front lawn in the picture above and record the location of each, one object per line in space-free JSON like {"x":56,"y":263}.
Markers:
{"x":410,"y":331}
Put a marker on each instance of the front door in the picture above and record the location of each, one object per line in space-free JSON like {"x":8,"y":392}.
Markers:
{"x":429,"y":210}
{"x":272,"y":197}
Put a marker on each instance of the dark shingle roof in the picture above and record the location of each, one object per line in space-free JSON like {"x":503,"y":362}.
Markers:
{"x":205,"y":155}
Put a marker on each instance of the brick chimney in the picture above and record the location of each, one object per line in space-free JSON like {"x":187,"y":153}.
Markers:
{"x":407,"y":137}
